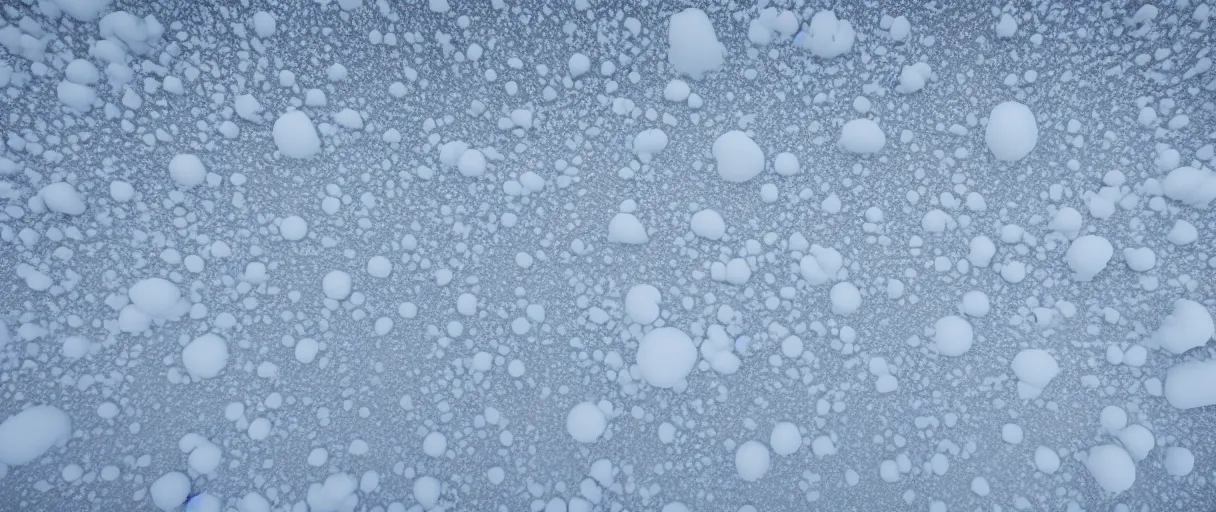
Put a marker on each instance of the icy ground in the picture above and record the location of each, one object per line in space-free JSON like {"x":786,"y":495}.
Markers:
{"x":492,"y":255}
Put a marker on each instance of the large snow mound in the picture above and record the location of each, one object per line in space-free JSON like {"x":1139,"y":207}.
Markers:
{"x":27,"y":435}
{"x":1012,"y":131}
{"x":692,"y":45}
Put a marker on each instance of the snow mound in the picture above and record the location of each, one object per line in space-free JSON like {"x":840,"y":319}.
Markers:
{"x":472,"y":163}
{"x":1034,"y":368}
{"x":1179,"y":461}
{"x":1189,"y":326}
{"x":953,"y":336}
{"x":738,"y":157}
{"x":625,"y":228}
{"x":1191,"y":384}
{"x":649,"y":142}
{"x":708,"y":224}
{"x":913,"y":78}
{"x":336,"y":285}
{"x":692,"y":45}
{"x":63,"y":198}
{"x":205,"y":356}
{"x":139,"y":35}
{"x":586,"y":422}
{"x":1190,"y":186}
{"x":336,"y":494}
{"x":1088,"y":255}
{"x":821,"y":265}
{"x":27,"y":435}
{"x":170,"y":490}
{"x":862,"y":136}
{"x":427,"y":490}
{"x":761,"y":30}
{"x":295,"y":135}
{"x":752,"y":461}
{"x":293,"y":228}
{"x":785,"y":438}
{"x":845,"y":297}
{"x":665,"y":357}
{"x":1012,"y":131}
{"x":154,"y":296}
{"x":1112,"y":467}
{"x":642,"y":303}
{"x":827,"y":37}
{"x":187,"y":170}
{"x":83,"y":10}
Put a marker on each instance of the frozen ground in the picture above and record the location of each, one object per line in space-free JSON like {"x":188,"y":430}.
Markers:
{"x":407,"y":255}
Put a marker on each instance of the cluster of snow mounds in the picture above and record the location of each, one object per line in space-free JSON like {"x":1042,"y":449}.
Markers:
{"x":151,"y":300}
{"x":1191,"y":186}
{"x":772,"y":25}
{"x":827,"y":36}
{"x":642,"y":303}
{"x":570,"y":256}
{"x":1189,"y":326}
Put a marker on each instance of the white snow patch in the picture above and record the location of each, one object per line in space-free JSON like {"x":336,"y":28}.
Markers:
{"x":692,"y":45}
{"x":295,"y":136}
{"x":785,"y":438}
{"x":336,"y":285}
{"x":170,"y":490}
{"x":665,"y":357}
{"x":827,"y":37}
{"x":821,"y":265}
{"x":1034,"y":368}
{"x":1191,"y":384}
{"x":1189,"y":326}
{"x":1088,"y":255}
{"x":1190,"y":186}
{"x":708,"y":224}
{"x":752,"y":460}
{"x":649,"y":142}
{"x":845,"y":297}
{"x":187,"y":170}
{"x":862,"y":136}
{"x":62,"y":197}
{"x":586,"y":422}
{"x":1012,"y":131}
{"x":27,"y":435}
{"x":642,"y":303}
{"x":205,"y":356}
{"x":737,"y":157}
{"x":625,"y":228}
{"x":953,"y":336}
{"x":1112,"y":467}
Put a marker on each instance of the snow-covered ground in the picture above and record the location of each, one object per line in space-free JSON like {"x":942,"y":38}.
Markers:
{"x":572,"y":256}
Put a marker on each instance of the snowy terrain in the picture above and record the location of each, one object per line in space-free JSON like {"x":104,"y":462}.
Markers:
{"x":374,"y":255}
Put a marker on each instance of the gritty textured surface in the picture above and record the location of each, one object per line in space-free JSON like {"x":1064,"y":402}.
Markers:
{"x":391,"y":390}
